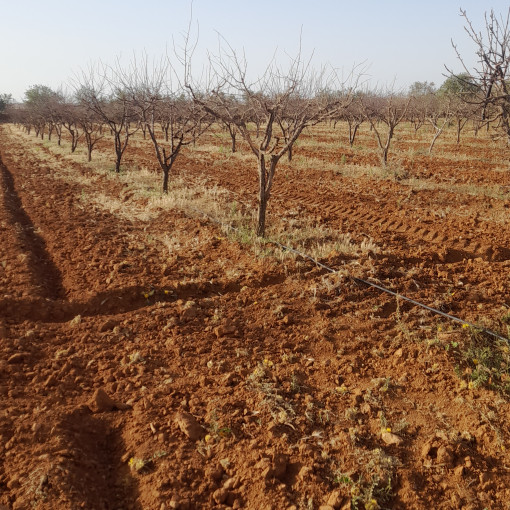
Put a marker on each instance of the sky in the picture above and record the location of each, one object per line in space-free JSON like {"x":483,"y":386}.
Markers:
{"x":395,"y":42}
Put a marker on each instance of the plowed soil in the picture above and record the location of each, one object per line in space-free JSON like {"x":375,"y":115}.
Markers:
{"x":150,"y":361}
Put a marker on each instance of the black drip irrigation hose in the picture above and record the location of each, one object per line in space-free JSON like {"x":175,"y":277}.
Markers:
{"x":364,"y":282}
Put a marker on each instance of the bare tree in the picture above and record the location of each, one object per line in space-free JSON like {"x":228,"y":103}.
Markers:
{"x":422,"y":104}
{"x":270,"y":113}
{"x":100,"y":92}
{"x":355,"y":117}
{"x":70,"y":123}
{"x":438,"y":116}
{"x":90,"y":123}
{"x":388,"y":109}
{"x":461,"y":93}
{"x":155,"y":94}
{"x":229,"y":125}
{"x":491,"y":73}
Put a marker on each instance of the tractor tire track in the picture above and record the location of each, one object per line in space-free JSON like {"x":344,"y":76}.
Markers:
{"x":445,"y":240}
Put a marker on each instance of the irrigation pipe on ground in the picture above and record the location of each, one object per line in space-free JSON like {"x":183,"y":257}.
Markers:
{"x":364,"y":282}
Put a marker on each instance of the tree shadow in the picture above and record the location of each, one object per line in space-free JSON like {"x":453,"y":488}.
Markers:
{"x":45,"y":275}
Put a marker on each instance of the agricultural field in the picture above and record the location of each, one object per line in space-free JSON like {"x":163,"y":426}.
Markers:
{"x":154,"y":358}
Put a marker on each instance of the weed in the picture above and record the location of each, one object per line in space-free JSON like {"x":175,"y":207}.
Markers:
{"x":309,"y":412}
{"x":401,"y":324}
{"x":36,"y":485}
{"x":483,"y":361}
{"x":324,"y":416}
{"x":295,"y":385}
{"x":375,"y":484}
{"x":342,"y":479}
{"x":401,"y":426}
{"x":141,"y":465}
{"x":280,"y":409}
{"x":216,"y":429}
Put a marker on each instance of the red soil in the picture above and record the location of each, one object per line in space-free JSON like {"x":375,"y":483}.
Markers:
{"x":131,"y":378}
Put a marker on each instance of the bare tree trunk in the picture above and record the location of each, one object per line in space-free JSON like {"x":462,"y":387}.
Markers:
{"x":352,"y":133}
{"x":386,"y":148}
{"x":438,"y":130}
{"x":261,"y":222}
{"x":59,"y":134}
{"x":384,"y":155}
{"x":265,"y":184}
{"x":117,"y":162}
{"x":118,"y":152}
{"x":166,"y":175}
{"x":436,"y":136}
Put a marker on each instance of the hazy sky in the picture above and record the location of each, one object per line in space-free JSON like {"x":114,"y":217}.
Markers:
{"x":401,"y":41}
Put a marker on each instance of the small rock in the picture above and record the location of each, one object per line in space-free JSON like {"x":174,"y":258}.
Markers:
{"x":304,"y":472}
{"x":286,"y":320}
{"x":50,"y":381}
{"x":326,"y":507}
{"x":390,"y":438}
{"x":267,"y":473}
{"x":19,"y":357}
{"x":108,"y":325}
{"x":189,"y":425}
{"x":398,"y":353}
{"x":426,"y":449}
{"x":220,"y":496}
{"x":13,"y":483}
{"x":224,"y":330}
{"x":174,"y":503}
{"x":101,"y":402}
{"x":335,"y":499}
{"x":444,"y":455}
{"x":459,"y":471}
{"x":76,"y":321}
{"x":441,"y":434}
{"x":357,"y":396}
{"x":231,"y":483}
